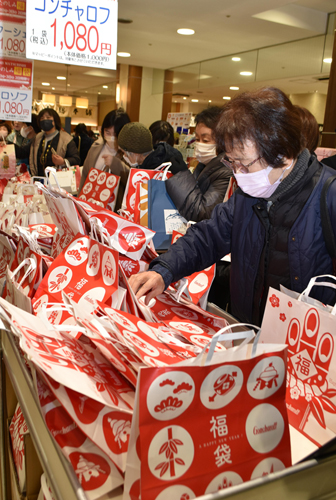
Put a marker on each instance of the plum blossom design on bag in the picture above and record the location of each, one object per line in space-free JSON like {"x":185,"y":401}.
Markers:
{"x":274,"y":300}
{"x":309,"y":359}
{"x":282,"y":317}
{"x":170,"y":449}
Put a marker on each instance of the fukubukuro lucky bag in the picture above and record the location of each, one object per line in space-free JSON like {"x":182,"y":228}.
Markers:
{"x":240,"y":433}
{"x":86,"y":271}
{"x":138,"y":175}
{"x":100,"y":188}
{"x":308,"y":327}
{"x":14,"y":292}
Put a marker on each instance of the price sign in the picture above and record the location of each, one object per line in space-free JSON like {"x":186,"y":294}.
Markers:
{"x":16,"y":82}
{"x":12,"y":36}
{"x":80,"y":32}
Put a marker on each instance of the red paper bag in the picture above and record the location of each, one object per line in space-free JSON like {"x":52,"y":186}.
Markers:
{"x":240,"y":433}
{"x":86,"y":271}
{"x":100,"y":188}
{"x":308,"y":327}
{"x":17,"y":430}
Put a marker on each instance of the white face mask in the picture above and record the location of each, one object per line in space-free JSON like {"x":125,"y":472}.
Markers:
{"x":128,"y":160}
{"x":110,"y":139}
{"x":257,"y":184}
{"x":24,"y":132}
{"x":205,"y":152}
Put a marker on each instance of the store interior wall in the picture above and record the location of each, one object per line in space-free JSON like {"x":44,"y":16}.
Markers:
{"x":151,"y":95}
{"x":316,"y":103}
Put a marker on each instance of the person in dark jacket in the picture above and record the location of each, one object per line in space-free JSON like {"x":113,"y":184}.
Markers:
{"x":196,"y":194}
{"x":52,"y":146}
{"x":83,"y":141}
{"x":136,"y":141}
{"x":271,"y":224}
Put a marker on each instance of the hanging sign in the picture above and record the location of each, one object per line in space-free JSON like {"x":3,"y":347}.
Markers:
{"x":12,"y":28}
{"x":16,"y":83}
{"x":80,"y":32}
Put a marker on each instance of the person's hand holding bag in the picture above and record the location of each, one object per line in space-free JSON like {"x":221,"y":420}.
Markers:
{"x":149,"y":283}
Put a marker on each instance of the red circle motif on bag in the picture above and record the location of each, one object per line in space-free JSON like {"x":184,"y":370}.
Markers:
{"x":92,"y":470}
{"x":132,"y":238}
{"x":117,"y":430}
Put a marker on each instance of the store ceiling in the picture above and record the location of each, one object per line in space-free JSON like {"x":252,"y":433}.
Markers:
{"x":221,"y":27}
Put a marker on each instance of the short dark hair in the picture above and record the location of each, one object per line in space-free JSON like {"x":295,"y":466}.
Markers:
{"x":8,"y":127}
{"x":209,"y":116}
{"x":81,"y":129}
{"x":116,"y":119}
{"x":267,"y":118}
{"x":310,"y":128}
{"x":33,"y":123}
{"x":52,"y":113}
{"x":162,"y":131}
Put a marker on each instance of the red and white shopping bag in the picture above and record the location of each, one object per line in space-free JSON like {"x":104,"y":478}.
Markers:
{"x":138,"y":175}
{"x":96,"y":473}
{"x":86,"y":271}
{"x":240,"y":432}
{"x":17,"y":430}
{"x":100,"y":188}
{"x":308,"y":327}
{"x":7,"y":255}
{"x":126,"y":237}
{"x":14,"y":292}
{"x":7,"y":161}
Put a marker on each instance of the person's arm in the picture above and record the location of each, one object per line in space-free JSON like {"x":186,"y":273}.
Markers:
{"x":196,"y":201}
{"x":21,"y":152}
{"x":204,"y":244}
{"x":72,"y":154}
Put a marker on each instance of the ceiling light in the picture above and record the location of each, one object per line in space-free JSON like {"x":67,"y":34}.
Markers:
{"x":52,"y":88}
{"x":185,"y":31}
{"x":235,"y":58}
{"x":61,"y":77}
{"x":105,"y":86}
{"x":327,"y":60}
{"x":226,"y":97}
{"x":68,"y":84}
{"x":123,"y":54}
{"x":210,"y":100}
{"x":118,"y":93}
{"x":49,"y":99}
{"x":99,"y":93}
{"x":82,"y":102}
{"x":184,"y":98}
{"x":234,"y":88}
{"x":45,"y":84}
{"x":65,"y":100}
{"x":194,"y":100}
{"x":246,"y":73}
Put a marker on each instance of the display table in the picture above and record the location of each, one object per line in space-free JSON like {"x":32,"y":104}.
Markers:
{"x":309,"y":480}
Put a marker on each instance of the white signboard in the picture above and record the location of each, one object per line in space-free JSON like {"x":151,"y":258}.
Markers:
{"x":80,"y":32}
{"x":16,"y":84}
{"x":12,"y":28}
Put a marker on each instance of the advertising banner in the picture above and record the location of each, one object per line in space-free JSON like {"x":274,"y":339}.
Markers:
{"x":79,"y":32}
{"x":16,"y":84}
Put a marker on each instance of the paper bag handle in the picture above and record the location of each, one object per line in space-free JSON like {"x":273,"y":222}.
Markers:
{"x":52,"y":170}
{"x":60,"y":328}
{"x":313,"y":282}
{"x":31,"y":267}
{"x":221,"y":335}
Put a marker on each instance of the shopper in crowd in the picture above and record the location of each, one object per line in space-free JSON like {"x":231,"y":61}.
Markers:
{"x":136,"y":142}
{"x":196,"y":194}
{"x":163,"y":145}
{"x":5,"y":131}
{"x":104,"y":153}
{"x":310,"y":128}
{"x":28,"y":131}
{"x":15,"y":137}
{"x":83,"y":141}
{"x":52,"y":146}
{"x":271,"y":225}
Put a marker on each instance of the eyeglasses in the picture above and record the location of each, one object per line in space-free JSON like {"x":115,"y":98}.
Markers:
{"x":237,"y":166}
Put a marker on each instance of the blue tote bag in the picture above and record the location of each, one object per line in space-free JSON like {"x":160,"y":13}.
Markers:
{"x":163,"y":216}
